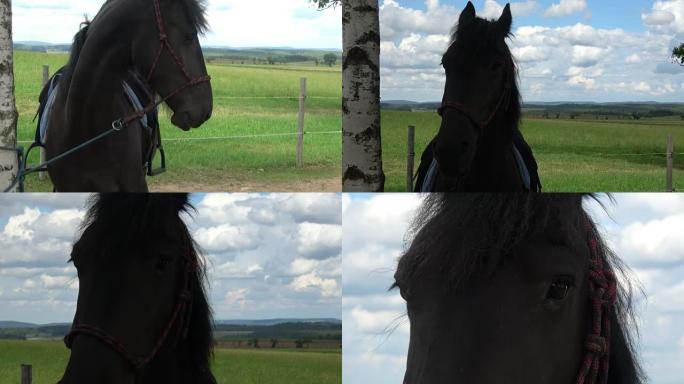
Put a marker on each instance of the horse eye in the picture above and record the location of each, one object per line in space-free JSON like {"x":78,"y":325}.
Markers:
{"x":190,"y":37}
{"x":559,"y":290}
{"x":163,"y":262}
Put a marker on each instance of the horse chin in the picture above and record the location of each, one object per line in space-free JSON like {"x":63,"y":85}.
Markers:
{"x":183,"y":121}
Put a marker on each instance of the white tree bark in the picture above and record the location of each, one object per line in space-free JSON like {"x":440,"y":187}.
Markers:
{"x":8,"y":111}
{"x":361,"y":146}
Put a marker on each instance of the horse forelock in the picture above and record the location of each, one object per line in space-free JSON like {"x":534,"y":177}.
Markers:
{"x":459,"y":235}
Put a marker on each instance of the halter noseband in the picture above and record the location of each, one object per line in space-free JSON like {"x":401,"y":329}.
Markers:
{"x":180,"y":317}
{"x":603,"y":296}
{"x":164,"y":44}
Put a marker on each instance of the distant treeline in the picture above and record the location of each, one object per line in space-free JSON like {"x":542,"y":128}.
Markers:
{"x":607,"y":111}
{"x":302,"y":330}
{"x":316,"y":331}
{"x":41,"y":332}
{"x":237,"y":55}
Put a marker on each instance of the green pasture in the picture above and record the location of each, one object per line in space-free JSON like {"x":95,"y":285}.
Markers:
{"x":249,"y":100}
{"x":573,"y":155}
{"x":231,"y":366}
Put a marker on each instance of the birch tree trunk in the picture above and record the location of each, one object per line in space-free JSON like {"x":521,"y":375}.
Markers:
{"x":361,"y":144}
{"x":8,"y":113}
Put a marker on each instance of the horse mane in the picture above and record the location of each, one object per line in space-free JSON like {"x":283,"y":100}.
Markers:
{"x":76,"y":47}
{"x":462,"y":235}
{"x":194,"y":9}
{"x":141,"y":217}
{"x":481,"y":35}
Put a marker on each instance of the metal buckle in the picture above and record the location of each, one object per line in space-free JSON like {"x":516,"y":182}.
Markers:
{"x":118,"y":125}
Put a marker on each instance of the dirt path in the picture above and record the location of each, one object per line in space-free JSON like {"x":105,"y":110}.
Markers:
{"x":233,"y":185}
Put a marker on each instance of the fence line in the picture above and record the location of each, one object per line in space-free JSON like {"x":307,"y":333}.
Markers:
{"x":273,"y":97}
{"x":300,"y":122}
{"x":230,"y":137}
{"x":669,"y":155}
{"x":46,"y":78}
{"x":410,"y":157}
{"x":26,"y":374}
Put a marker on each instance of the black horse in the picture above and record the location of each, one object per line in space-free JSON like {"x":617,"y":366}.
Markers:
{"x":479,"y":147}
{"x":514,"y":288}
{"x":149,"y":44}
{"x":142,"y":314}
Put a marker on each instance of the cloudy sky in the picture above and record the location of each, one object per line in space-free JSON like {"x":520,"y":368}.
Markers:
{"x":567,"y":50}
{"x":235,"y":23}
{"x":270,"y":256}
{"x":645,"y":230}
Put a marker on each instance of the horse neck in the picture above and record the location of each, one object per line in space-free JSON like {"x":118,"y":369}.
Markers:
{"x":176,"y":366}
{"x":95,"y":98}
{"x":494,"y":166}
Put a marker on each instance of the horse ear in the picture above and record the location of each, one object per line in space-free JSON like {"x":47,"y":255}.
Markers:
{"x":467,"y":15}
{"x":506,"y":20}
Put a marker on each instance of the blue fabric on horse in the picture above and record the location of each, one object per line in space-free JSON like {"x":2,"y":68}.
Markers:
{"x":429,"y":168}
{"x":137,"y":93}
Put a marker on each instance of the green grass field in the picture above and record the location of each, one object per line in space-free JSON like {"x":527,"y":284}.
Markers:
{"x":231,"y":366}
{"x":248,"y":100}
{"x":573,"y":155}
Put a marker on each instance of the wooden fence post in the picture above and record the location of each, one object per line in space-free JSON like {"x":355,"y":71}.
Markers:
{"x":26,"y":374}
{"x":410,"y":158}
{"x":300,"y":123}
{"x":670,"y":163}
{"x":46,"y":78}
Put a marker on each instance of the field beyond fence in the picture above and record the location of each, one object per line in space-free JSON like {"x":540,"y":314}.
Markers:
{"x":230,"y":366}
{"x":573,"y":155}
{"x":250,"y":142}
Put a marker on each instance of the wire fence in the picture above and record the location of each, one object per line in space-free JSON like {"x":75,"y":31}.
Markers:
{"x":669,"y":155}
{"x":210,"y":138}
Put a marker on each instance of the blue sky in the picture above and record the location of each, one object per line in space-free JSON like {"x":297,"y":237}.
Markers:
{"x":603,"y":14}
{"x":566,"y":50}
{"x":236,"y":23}
{"x":643,"y":229}
{"x":269,"y":255}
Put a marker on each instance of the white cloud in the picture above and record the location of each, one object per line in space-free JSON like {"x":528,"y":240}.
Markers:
{"x":654,"y":241}
{"x":319,"y":241}
{"x":227,"y":238}
{"x":411,"y":50}
{"x":236,"y":23}
{"x":309,"y":281}
{"x":271,"y":255}
{"x":658,"y":17}
{"x":374,"y":322}
{"x":633,"y":59}
{"x":493,"y":9}
{"x":566,"y":8}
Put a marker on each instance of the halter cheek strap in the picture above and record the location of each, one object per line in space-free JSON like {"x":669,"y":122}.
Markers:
{"x":603,"y":296}
{"x":180,"y":318}
{"x":164,"y":44}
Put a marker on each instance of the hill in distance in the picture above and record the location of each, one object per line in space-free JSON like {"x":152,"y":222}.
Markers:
{"x":617,"y":110}
{"x":250,"y":55}
{"x":329,"y":328}
{"x":16,"y":324}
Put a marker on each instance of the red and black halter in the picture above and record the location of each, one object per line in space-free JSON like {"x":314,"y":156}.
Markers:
{"x":164,"y":44}
{"x":180,"y":320}
{"x":603,"y":296}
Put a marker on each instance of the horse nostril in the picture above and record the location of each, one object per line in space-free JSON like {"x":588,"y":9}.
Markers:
{"x":464,"y":145}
